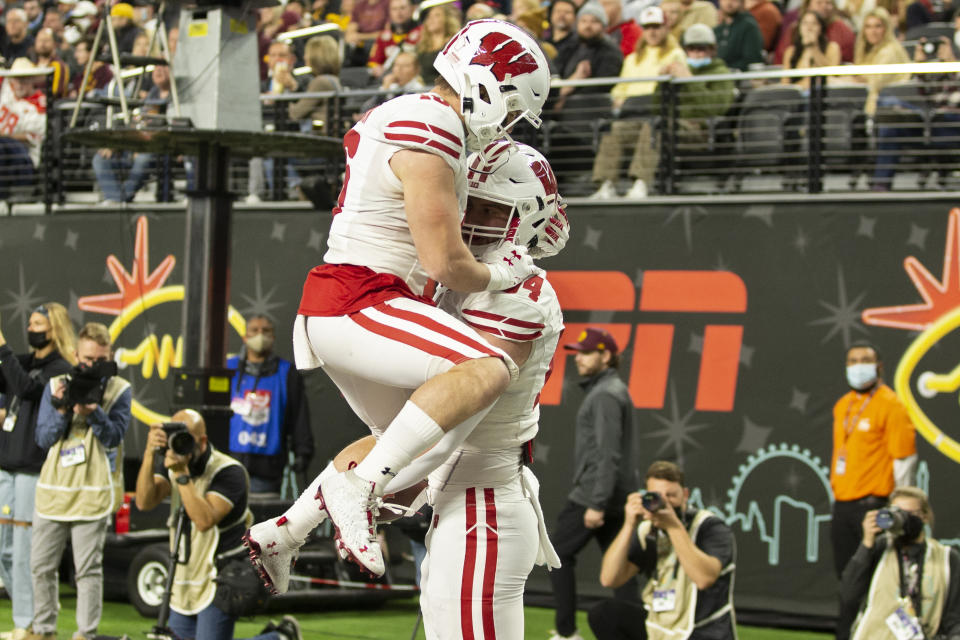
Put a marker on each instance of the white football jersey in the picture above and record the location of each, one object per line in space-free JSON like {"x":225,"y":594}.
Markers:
{"x":26,"y":116}
{"x":369,"y":223}
{"x":529,"y":312}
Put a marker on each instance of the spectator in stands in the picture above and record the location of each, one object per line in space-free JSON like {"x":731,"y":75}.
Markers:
{"x":694,"y":12}
{"x":623,"y":31}
{"x":23,"y":125}
{"x":76,"y":24}
{"x":877,"y":44}
{"x":919,"y":13}
{"x":656,"y":50}
{"x":15,"y":40}
{"x":768,"y":18}
{"x":696,"y":103}
{"x":596,"y":57}
{"x":479,"y":11}
{"x":100,"y":75}
{"x":942,"y":96}
{"x":322,"y":55}
{"x":672,"y":10}
{"x":837,"y":29}
{"x":34,"y":15}
{"x":340,"y":16}
{"x":440,"y":23}
{"x":368,"y":19}
{"x":563,"y":31}
{"x":810,"y":48}
{"x":402,"y":34}
{"x":856,"y":11}
{"x":46,"y":55}
{"x":280,"y":80}
{"x":739,"y":41}
{"x":125,"y":26}
{"x":404,"y":77}
{"x":120,"y":174}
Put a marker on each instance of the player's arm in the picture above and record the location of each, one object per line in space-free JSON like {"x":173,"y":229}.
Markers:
{"x":430,"y":200}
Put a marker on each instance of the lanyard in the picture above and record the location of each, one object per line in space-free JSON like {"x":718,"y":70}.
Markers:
{"x":848,"y":424}
{"x":910,"y":580}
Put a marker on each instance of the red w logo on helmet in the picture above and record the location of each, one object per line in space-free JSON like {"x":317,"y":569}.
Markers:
{"x":505,"y":54}
{"x":543,"y":171}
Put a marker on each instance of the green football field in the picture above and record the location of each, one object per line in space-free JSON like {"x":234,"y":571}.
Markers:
{"x":392,"y":621}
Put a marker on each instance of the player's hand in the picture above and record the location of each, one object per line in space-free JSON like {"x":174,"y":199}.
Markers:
{"x":509,"y":265}
{"x":870,"y":528}
{"x":592,"y":518}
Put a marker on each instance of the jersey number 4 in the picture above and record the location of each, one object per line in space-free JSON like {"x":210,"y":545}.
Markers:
{"x":531,"y":285}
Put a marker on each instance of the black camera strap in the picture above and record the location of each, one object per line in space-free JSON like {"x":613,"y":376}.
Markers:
{"x":911,"y":573}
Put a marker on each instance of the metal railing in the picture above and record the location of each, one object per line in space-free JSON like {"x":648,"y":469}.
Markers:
{"x":730,"y":133}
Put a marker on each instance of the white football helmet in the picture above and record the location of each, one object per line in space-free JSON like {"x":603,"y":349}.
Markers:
{"x":518,"y":175}
{"x":497,"y":69}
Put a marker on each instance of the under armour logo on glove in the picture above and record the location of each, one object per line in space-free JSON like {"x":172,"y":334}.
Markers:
{"x":509,"y":265}
{"x":510,"y":259}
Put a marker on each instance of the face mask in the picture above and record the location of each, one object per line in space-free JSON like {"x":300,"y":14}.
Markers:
{"x":260,"y":343}
{"x":698,"y":63}
{"x":861,"y":376}
{"x":37,"y":339}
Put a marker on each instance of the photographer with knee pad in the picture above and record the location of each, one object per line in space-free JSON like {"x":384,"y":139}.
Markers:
{"x":687,"y":557}
{"x":210,"y":589}
{"x":83,"y":418}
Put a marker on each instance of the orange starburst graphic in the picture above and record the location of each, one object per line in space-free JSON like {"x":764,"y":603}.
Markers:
{"x":939,"y":297}
{"x":134,"y":284}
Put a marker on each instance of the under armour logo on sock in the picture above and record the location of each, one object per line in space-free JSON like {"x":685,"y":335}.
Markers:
{"x":386,"y":471}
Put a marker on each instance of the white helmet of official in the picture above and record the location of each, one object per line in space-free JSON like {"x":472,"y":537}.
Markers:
{"x":501,"y":76}
{"x":518,"y":176}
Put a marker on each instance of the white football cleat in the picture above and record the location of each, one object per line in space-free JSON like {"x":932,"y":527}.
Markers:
{"x":352,"y":508}
{"x":272,"y":551}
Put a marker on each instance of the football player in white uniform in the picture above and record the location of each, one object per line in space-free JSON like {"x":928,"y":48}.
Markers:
{"x":488,"y":529}
{"x":409,"y":370}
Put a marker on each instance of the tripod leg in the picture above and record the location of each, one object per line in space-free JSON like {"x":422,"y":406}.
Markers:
{"x":88,"y":70}
{"x":117,"y":70}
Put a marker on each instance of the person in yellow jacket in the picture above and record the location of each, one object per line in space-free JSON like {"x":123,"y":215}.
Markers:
{"x":80,"y":484}
{"x":213,"y":489}
{"x":905,"y":583}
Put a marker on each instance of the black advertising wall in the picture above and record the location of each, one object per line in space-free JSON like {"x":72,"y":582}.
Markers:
{"x":733,"y":317}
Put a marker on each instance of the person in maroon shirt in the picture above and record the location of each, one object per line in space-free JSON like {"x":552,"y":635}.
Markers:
{"x":837,"y":30}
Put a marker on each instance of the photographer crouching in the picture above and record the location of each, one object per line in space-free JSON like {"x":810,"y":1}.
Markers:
{"x":213,"y":582}
{"x":687,"y":556}
{"x":905,"y":584}
{"x":82,"y":419}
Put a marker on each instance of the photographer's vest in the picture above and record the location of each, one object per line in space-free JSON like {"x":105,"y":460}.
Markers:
{"x":670,"y":596}
{"x":76,"y":482}
{"x":883,"y":598}
{"x":193,"y":580}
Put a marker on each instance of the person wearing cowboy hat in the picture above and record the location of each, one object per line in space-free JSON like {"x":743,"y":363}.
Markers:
{"x":23,"y":121}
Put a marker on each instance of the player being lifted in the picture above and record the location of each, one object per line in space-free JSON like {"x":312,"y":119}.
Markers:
{"x":488,"y":528}
{"x":410,"y":371}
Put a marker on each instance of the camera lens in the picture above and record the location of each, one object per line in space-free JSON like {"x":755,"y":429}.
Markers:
{"x":890,"y":519}
{"x":182,"y":443}
{"x":652,"y":501}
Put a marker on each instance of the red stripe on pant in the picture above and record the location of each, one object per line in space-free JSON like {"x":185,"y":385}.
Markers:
{"x":469,"y":565}
{"x":408,"y":338}
{"x":429,"y":323}
{"x":490,"y":568}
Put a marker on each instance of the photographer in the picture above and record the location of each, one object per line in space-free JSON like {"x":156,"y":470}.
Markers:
{"x":905,"y":584}
{"x":22,"y":381}
{"x":83,"y":418}
{"x":212,"y":487}
{"x":688,"y":558}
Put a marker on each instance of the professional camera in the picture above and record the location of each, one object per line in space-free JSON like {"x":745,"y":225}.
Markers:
{"x":892,"y":519}
{"x":85,"y":384}
{"x":652,"y":501}
{"x":178,"y":438}
{"x":930,"y":50}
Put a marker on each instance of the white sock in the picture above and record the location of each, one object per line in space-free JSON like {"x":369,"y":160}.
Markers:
{"x":305,"y":513}
{"x":411,"y":433}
